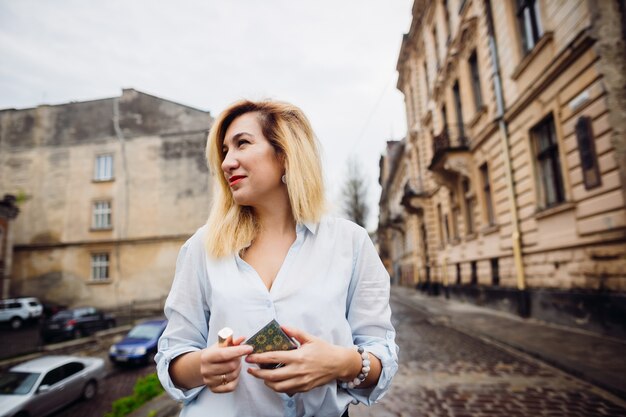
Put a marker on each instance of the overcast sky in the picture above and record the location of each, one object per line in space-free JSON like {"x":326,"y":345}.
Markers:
{"x":334,"y":59}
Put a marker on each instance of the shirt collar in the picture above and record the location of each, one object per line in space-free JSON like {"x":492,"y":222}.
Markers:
{"x":312,"y":226}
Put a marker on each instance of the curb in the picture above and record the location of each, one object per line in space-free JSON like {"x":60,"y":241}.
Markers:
{"x":66,"y":347}
{"x":160,"y":406}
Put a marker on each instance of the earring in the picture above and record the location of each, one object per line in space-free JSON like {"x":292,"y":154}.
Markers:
{"x":283,"y":179}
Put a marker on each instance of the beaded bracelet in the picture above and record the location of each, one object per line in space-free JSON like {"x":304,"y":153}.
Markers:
{"x":365,"y":369}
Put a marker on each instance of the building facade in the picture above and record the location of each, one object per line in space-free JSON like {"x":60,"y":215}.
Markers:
{"x":111,"y":189}
{"x":514,"y":160}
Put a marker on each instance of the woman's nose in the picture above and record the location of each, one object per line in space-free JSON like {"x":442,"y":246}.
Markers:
{"x":229,"y":163}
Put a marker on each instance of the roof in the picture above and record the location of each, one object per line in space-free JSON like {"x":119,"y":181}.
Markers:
{"x":43,"y":363}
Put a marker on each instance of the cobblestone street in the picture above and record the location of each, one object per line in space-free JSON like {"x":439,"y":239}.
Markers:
{"x":444,"y":372}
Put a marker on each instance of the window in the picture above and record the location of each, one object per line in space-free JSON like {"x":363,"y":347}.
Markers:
{"x":436,"y":46}
{"x":458,"y":274}
{"x":456,"y":212}
{"x":470,"y":202}
{"x":441,"y":227}
{"x":101,"y":215}
{"x":426,"y":76}
{"x":459,"y":112}
{"x":474,"y":276}
{"x":52,"y":377}
{"x":475,"y":75}
{"x":549,"y":165}
{"x":529,"y":23}
{"x":446,"y":10}
{"x":484,"y":173}
{"x":495,"y":272}
{"x":72,"y":368}
{"x":100,"y":266}
{"x":587,"y":150}
{"x":104,"y":168}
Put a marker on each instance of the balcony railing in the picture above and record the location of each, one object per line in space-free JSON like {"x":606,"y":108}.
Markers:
{"x":451,"y":138}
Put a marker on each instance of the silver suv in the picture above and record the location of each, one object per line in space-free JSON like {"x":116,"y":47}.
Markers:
{"x":16,"y":311}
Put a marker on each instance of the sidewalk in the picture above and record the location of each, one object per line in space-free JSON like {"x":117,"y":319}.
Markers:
{"x":597,"y":359}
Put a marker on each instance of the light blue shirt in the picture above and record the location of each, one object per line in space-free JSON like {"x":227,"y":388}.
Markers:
{"x":332,"y":284}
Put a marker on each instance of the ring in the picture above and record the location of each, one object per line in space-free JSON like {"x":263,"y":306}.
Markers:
{"x":224,"y":380}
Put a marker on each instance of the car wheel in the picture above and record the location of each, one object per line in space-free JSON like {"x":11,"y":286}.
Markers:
{"x":78,"y":333}
{"x":90,"y":390}
{"x":16,"y":323}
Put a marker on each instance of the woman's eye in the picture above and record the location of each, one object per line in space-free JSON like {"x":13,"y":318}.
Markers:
{"x":242,"y":142}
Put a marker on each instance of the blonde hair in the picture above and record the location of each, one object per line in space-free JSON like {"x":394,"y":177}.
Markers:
{"x":232,"y":227}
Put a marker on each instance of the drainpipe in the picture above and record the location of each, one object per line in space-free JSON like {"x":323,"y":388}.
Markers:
{"x":516,"y":236}
{"x":123,"y":218}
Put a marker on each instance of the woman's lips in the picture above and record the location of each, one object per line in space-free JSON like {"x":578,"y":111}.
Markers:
{"x":235,"y":179}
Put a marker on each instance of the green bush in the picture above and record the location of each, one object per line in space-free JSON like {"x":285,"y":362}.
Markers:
{"x":145,"y":389}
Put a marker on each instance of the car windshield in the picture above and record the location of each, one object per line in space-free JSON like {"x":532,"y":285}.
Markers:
{"x":63,"y":315}
{"x":145,"y":331}
{"x":17,"y":383}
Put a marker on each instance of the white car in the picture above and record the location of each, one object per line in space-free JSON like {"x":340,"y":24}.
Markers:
{"x":41,"y":386}
{"x":16,"y":311}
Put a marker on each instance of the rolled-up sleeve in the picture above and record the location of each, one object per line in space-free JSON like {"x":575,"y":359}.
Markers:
{"x":187,"y":313}
{"x":369,"y":315}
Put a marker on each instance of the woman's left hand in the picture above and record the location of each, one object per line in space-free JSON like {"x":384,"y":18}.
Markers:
{"x":315,"y":363}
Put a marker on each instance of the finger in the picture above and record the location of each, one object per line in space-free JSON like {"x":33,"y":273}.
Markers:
{"x":302,"y":336}
{"x":224,"y":385}
{"x":237,"y":341}
{"x":220,"y":368}
{"x":278,"y":356}
{"x":224,"y":354}
{"x":271,"y":375}
{"x":290,"y":386}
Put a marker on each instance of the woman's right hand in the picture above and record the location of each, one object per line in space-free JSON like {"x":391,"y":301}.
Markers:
{"x":220,"y":366}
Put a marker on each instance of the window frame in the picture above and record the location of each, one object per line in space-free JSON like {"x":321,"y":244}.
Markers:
{"x":528,"y":17}
{"x":490,"y":214}
{"x":100,"y":262}
{"x":469,"y":201}
{"x":475,"y":78}
{"x":547,"y":160}
{"x":102,"y":216}
{"x":102,"y":169}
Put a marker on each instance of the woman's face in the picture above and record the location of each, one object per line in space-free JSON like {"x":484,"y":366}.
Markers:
{"x":251,"y":165}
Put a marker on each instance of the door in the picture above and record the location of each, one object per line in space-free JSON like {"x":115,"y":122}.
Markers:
{"x":52,"y":399}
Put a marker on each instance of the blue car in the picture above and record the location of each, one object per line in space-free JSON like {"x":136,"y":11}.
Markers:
{"x":140,"y":344}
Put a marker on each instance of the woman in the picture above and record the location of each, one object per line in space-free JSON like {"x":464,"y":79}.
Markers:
{"x":267,"y":253}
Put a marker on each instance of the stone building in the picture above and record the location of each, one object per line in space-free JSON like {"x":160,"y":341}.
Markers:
{"x":512,"y":177}
{"x":112,"y":188}
{"x":8,"y":213}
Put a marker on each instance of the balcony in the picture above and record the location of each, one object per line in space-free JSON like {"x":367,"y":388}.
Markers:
{"x":451,"y":155}
{"x":414,"y":198}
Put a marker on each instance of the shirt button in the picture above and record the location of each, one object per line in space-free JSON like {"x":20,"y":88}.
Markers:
{"x":268,"y":304}
{"x":290,"y":403}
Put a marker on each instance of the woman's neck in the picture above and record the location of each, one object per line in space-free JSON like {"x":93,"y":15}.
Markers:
{"x":276,"y":218}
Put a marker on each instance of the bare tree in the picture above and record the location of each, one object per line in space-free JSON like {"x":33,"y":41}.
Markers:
{"x":354,"y":193}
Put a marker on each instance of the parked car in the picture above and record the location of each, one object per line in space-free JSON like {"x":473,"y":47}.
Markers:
{"x":50,"y":309}
{"x":75,"y":323}
{"x":43,"y":385}
{"x":16,"y":311}
{"x":140,"y":344}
